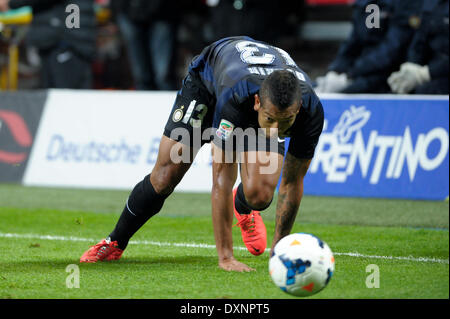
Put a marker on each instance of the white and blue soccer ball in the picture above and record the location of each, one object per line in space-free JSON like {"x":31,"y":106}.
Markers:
{"x":302,"y":264}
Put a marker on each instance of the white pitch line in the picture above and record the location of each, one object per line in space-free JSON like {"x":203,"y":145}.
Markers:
{"x":207,"y":246}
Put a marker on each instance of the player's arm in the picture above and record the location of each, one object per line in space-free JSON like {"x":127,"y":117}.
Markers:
{"x":289,"y":195}
{"x":296,"y":164}
{"x":224,"y":177}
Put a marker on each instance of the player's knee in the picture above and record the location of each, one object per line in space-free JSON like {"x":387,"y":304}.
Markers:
{"x":259,"y":198}
{"x":163,"y":182}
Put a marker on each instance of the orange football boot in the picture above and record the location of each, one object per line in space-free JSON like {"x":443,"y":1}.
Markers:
{"x":104,"y":250}
{"x":253,"y":229}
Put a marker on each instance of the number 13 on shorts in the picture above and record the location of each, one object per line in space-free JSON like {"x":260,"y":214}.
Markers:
{"x":196,"y":119}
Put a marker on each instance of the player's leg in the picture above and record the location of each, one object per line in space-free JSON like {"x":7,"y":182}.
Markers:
{"x":260,"y":172}
{"x":179,"y":145}
{"x":145,"y":200}
{"x":148,"y":196}
{"x":258,"y":180}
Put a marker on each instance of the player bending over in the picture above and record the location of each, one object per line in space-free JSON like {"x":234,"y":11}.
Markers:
{"x":245,"y":97}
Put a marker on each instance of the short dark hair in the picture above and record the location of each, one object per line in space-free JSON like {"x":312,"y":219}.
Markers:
{"x":282,"y":88}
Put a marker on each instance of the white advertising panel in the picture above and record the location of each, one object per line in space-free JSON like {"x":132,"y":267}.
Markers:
{"x":105,"y":139}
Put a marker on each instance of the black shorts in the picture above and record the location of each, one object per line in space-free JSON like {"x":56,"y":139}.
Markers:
{"x":191,"y":122}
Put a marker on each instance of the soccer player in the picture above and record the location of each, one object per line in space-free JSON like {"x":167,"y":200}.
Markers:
{"x":244,"y":96}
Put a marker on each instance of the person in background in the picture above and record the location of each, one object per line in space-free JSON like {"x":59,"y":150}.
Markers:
{"x":66,"y":53}
{"x":370,"y":54}
{"x":149,"y":31}
{"x":426,"y":70}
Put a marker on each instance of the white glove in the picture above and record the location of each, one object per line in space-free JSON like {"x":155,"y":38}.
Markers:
{"x":332,"y":82}
{"x":408,"y":78}
{"x":320,"y":84}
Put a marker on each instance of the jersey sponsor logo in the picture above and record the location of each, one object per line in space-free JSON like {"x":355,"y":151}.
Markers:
{"x":225,"y":129}
{"x":340,"y":151}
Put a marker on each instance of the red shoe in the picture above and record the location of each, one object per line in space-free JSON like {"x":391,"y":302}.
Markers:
{"x":104,"y":250}
{"x":253,"y":229}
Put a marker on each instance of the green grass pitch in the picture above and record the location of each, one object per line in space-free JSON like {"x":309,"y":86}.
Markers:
{"x":44,"y":230}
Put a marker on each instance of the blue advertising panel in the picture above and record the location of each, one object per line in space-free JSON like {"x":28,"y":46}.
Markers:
{"x":390,"y":147}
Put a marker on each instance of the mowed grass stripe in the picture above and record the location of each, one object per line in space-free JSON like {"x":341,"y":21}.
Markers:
{"x":314,"y":209}
{"x":36,"y":268}
{"x":208,"y":246}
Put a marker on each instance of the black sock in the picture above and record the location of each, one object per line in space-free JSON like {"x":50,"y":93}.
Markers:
{"x":142,"y":204}
{"x":240,"y":203}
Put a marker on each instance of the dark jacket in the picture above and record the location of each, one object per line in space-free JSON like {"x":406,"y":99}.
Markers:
{"x":370,"y":51}
{"x":430,"y":43}
{"x":48,"y":29}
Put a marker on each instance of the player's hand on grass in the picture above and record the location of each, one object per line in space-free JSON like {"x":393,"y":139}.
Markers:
{"x":231,"y":264}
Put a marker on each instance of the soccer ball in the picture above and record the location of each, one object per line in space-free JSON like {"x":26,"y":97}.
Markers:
{"x":302,"y":264}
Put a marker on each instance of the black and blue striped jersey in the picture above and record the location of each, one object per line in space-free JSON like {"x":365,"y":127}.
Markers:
{"x":233,"y":69}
